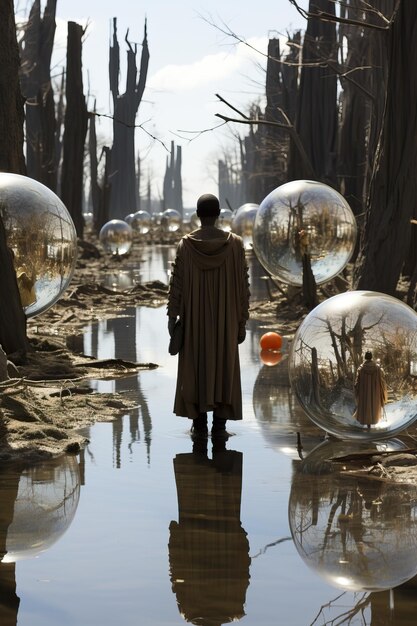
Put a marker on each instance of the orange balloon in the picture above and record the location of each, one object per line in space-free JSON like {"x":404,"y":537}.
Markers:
{"x":271,"y":341}
{"x":270,"y":357}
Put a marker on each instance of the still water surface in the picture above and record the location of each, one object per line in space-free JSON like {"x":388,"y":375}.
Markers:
{"x":145,"y":527}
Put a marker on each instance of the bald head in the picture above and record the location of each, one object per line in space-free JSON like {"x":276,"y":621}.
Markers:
{"x":208,"y":206}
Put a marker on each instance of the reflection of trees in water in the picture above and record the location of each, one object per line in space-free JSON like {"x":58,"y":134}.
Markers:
{"x":359,"y":533}
{"x":124,"y":331}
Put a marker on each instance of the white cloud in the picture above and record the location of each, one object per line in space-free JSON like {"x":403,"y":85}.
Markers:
{"x":211,"y":68}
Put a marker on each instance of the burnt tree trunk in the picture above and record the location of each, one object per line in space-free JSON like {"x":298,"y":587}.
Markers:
{"x":76,"y":120}
{"x":125,"y":108}
{"x":12,"y":318}
{"x":92,"y":149}
{"x":316,"y":119}
{"x":36,"y":51}
{"x":393,"y":188}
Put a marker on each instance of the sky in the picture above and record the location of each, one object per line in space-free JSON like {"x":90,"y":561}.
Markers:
{"x":190,"y":61}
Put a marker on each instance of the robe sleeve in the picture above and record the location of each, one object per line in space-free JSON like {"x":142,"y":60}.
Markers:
{"x":244,"y":290}
{"x":176,"y":284}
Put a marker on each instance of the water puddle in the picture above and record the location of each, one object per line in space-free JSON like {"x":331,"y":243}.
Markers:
{"x":147,"y":527}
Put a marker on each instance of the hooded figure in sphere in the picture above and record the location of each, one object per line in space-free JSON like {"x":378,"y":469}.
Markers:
{"x":370,"y":392}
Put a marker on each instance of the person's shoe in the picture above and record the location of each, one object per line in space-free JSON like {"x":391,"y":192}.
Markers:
{"x":199,"y":427}
{"x":219,"y":427}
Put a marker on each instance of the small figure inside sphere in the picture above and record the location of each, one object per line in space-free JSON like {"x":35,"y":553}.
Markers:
{"x":370,"y":391}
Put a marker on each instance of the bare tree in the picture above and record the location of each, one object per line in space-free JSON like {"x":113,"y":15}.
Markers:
{"x":36,"y":51}
{"x":125,"y":108}
{"x":76,"y":120}
{"x":12,"y":319}
{"x":393,"y":189}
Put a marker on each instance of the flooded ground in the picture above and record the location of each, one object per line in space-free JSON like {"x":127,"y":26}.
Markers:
{"x":147,"y":527}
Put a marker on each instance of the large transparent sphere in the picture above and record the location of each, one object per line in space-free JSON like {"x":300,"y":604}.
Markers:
{"x":300,"y":218}
{"x":359,"y":534}
{"x":116,"y":237}
{"x":329,"y":350}
{"x":44,"y":504}
{"x":141,"y":222}
{"x":243,"y":222}
{"x":171,"y":221}
{"x":42,"y":235}
{"x":224,"y":221}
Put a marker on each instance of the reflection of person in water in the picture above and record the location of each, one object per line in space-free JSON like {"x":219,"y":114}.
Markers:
{"x":370,"y":392}
{"x":208,"y":548}
{"x":9,"y":601}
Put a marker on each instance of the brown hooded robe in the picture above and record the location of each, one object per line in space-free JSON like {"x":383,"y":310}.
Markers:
{"x":371,"y":393}
{"x":209,"y":290}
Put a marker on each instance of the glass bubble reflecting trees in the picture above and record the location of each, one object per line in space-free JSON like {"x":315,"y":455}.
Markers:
{"x":243,"y":222}
{"x":42,"y":235}
{"x":45,"y":506}
{"x":224,"y":221}
{"x":328,"y":348}
{"x":170,"y":221}
{"x":358,"y":533}
{"x":194,"y":221}
{"x":116,"y":237}
{"x":304,"y":217}
{"x":141,"y":222}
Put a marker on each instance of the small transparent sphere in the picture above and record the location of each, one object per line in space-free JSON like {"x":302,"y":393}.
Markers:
{"x":141,"y":222}
{"x":129,"y":218}
{"x":44,"y":507}
{"x":224,"y":221}
{"x":359,"y":534}
{"x":301,"y":218}
{"x":171,"y":221}
{"x":194,"y":221}
{"x":42,"y":236}
{"x":88,"y":218}
{"x":243,"y":222}
{"x":342,"y":391}
{"x":116,"y":237}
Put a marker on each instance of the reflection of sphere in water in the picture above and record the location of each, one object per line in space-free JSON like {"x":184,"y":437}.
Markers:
{"x":243,"y":222}
{"x":279,"y":415}
{"x":141,"y":222}
{"x":270,"y":341}
{"x":171,"y":221}
{"x":116,"y":237}
{"x":270,"y":357}
{"x":358,"y":533}
{"x":330,"y":345}
{"x":301,"y":218}
{"x":224,"y":221}
{"x":195,"y":221}
{"x":46,"y":502}
{"x":42,"y":235}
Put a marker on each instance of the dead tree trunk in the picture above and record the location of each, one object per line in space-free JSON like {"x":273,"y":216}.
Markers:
{"x":316,"y":120}
{"x":125,"y":108}
{"x":76,"y":120}
{"x":12,"y":318}
{"x":36,"y":51}
{"x":393,"y":188}
{"x":92,"y":149}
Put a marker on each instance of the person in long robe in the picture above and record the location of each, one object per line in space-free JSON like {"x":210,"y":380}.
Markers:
{"x":370,"y":391}
{"x":209,"y":292}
